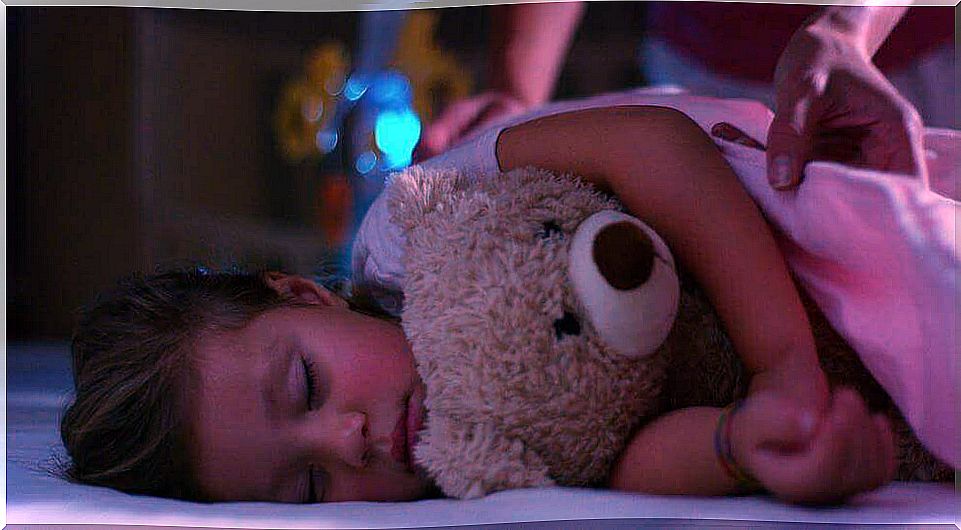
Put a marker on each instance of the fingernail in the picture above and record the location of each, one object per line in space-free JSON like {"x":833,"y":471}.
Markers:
{"x":782,"y":172}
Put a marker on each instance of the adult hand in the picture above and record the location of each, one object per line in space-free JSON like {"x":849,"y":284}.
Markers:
{"x":464,"y":118}
{"x":814,"y":460}
{"x":834,"y":104}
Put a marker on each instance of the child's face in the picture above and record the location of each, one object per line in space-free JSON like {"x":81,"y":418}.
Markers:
{"x":257,"y":435}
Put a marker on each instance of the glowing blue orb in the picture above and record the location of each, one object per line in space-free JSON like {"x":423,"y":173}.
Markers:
{"x":365,"y":162}
{"x":390,"y":89}
{"x":396,"y":133}
{"x":326,"y":140}
{"x":355,"y":87}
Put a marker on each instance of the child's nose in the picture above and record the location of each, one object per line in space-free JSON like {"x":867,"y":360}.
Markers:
{"x":345,"y":437}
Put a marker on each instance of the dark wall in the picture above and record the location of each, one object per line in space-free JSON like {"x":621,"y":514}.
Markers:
{"x":72,"y":223}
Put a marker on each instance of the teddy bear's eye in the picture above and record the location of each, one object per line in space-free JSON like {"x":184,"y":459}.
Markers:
{"x":567,"y":325}
{"x":549,"y":229}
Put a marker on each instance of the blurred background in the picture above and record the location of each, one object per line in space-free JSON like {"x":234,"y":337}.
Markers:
{"x":143,"y":138}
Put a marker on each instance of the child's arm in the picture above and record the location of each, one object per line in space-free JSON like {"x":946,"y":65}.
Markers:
{"x":665,"y":170}
{"x":675,"y":453}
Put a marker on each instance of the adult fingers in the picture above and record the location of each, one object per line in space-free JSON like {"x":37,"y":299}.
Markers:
{"x":840,"y":144}
{"x":896,"y":142}
{"x":450,"y":125}
{"x":789,"y":141}
{"x":891,"y":137}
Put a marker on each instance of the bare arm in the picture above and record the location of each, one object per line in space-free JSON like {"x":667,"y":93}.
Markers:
{"x":528,"y":46}
{"x":665,"y":170}
{"x":867,"y":26}
{"x":674,"y":455}
{"x":848,"y":452}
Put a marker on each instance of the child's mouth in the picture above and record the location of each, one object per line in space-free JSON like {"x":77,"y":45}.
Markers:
{"x":405,"y":435}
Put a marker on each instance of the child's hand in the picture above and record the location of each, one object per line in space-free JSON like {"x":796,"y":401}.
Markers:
{"x":801,"y":382}
{"x":808,"y":459}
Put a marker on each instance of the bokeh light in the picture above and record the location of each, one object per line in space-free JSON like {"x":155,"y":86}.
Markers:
{"x":326,"y":140}
{"x":355,"y":87}
{"x":365,"y":162}
{"x":396,"y":133}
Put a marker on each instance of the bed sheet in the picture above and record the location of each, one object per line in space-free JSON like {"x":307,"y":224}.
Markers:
{"x":38,"y":383}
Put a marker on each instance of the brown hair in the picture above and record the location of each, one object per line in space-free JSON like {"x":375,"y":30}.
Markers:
{"x":125,"y":428}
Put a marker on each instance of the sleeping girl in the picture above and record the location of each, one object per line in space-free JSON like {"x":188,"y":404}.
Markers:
{"x":230,"y":386}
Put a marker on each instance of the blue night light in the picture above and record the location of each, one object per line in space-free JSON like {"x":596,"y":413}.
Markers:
{"x":355,"y":87}
{"x":390,"y":89}
{"x":365,"y":162}
{"x":396,"y":133}
{"x":326,"y":140}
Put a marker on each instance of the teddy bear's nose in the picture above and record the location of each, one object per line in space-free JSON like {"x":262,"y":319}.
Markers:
{"x":624,"y":255}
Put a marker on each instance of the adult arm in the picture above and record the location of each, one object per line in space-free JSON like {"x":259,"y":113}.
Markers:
{"x":528,"y":45}
{"x":867,"y":26}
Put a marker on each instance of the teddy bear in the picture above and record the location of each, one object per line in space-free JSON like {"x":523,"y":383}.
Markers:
{"x":548,"y":326}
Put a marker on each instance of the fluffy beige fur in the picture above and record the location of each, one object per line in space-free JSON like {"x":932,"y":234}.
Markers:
{"x":511,"y":404}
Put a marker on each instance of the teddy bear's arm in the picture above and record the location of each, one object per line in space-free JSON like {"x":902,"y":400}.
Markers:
{"x":666,"y":171}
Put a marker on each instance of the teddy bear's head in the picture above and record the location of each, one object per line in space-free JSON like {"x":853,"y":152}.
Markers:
{"x":536,"y":311}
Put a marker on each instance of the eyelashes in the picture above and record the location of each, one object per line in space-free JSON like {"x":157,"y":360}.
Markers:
{"x":311,"y":378}
{"x":315,"y":476}
{"x":311,"y":488}
{"x":312,"y":390}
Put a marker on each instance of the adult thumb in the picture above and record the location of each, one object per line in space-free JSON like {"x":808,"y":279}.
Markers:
{"x":788,"y":147}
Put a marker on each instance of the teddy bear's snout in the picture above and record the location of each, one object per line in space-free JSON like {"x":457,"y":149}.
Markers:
{"x":623,"y":275}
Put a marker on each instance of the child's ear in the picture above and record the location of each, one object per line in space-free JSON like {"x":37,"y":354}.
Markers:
{"x":303,"y":289}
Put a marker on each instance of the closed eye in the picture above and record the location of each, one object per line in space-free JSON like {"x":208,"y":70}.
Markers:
{"x":311,"y":489}
{"x":310,"y":377}
{"x":314,"y":494}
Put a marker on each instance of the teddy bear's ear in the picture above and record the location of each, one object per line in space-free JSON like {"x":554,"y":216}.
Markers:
{"x":417,"y":191}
